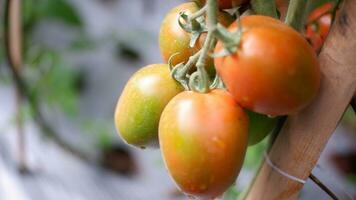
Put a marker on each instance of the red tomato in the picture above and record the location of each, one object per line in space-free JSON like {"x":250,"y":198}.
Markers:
{"x":274,"y":71}
{"x":141,"y":103}
{"x":318,"y":25}
{"x":173,"y":39}
{"x":203,"y":138}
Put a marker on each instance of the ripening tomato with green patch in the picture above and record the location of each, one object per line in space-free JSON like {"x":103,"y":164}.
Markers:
{"x":260,"y":127}
{"x":173,"y":40}
{"x":274,"y":70}
{"x":318,"y":25}
{"x":203,"y":139}
{"x":141,"y":103}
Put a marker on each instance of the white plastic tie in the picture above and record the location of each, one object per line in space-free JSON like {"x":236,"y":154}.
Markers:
{"x":283,"y":173}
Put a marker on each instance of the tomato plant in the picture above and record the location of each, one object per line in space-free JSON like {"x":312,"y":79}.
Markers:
{"x":274,"y":70}
{"x":203,"y":138}
{"x":173,"y":40}
{"x":263,"y":65}
{"x":318,"y":25}
{"x":141,"y":103}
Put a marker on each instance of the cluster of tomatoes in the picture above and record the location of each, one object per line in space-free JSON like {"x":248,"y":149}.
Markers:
{"x":273,"y":71}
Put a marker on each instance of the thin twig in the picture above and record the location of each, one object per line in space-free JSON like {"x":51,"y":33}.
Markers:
{"x":323,"y":186}
{"x":197,"y":14}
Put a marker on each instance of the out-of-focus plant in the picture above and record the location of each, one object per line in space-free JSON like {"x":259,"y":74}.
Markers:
{"x":52,"y":79}
{"x":48,"y":76}
{"x":47,"y":79}
{"x":61,"y":10}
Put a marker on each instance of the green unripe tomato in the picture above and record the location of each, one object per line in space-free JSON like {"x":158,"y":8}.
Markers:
{"x":260,"y":127}
{"x":141,"y":103}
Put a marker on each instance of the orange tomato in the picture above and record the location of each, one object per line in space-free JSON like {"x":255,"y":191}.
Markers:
{"x":203,"y":139}
{"x":274,"y":71}
{"x":173,"y":39}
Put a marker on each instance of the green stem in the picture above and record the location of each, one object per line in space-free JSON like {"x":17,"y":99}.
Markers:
{"x":201,"y":64}
{"x":295,"y":14}
{"x":180,"y":71}
{"x":265,"y":7}
{"x":212,"y":10}
{"x":197,"y":14}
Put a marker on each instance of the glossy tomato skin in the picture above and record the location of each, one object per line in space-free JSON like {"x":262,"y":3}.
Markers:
{"x":141,"y":103}
{"x":203,"y":139}
{"x":173,"y":39}
{"x":260,"y":127}
{"x":317,"y":32}
{"x":274,"y":72}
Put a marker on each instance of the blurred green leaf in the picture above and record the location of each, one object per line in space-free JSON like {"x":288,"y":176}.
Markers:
{"x":352,"y":178}
{"x":82,"y":43}
{"x":105,"y":140}
{"x":102,"y":130}
{"x":232,"y":193}
{"x":37,"y":10}
{"x":254,"y":154}
{"x":61,"y":10}
{"x":349,"y":117}
{"x":53,"y":80}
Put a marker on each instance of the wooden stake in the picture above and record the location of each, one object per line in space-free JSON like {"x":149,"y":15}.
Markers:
{"x":304,"y":135}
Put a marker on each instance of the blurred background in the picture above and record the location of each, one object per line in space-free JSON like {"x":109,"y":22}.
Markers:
{"x":77,"y":56}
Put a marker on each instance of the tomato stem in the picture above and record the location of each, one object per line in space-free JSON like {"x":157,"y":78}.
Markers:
{"x":211,"y":11}
{"x":265,"y":7}
{"x":197,"y":14}
{"x":295,"y":14}
{"x":180,"y":71}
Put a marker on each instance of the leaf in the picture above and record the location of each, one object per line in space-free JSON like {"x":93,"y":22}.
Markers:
{"x":56,"y":9}
{"x":232,"y":193}
{"x":254,"y":154}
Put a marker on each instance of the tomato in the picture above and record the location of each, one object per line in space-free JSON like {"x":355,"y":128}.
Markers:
{"x":141,"y":103}
{"x":203,"y":139}
{"x":227,"y":4}
{"x":318,"y":25}
{"x":173,"y":39}
{"x":260,"y":127}
{"x":274,"y":71}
